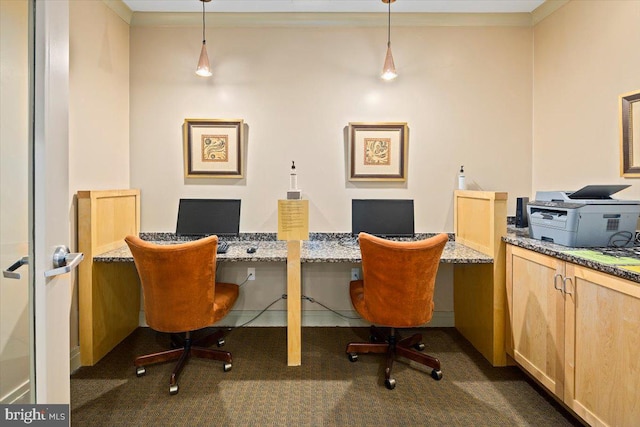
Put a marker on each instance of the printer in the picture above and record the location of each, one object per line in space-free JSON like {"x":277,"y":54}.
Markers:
{"x":588,"y":217}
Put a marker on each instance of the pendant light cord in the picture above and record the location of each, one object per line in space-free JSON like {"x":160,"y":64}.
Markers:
{"x":203,"y":37}
{"x":389,"y":26}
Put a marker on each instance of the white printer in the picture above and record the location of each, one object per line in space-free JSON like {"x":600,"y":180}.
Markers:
{"x":588,"y":217}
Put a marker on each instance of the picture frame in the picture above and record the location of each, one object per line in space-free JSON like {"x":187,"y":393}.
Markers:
{"x":630,"y":134}
{"x":378,"y":151}
{"x":213,"y":148}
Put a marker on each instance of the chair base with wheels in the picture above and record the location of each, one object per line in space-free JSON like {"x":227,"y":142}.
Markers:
{"x":182,"y":349}
{"x":391,"y":344}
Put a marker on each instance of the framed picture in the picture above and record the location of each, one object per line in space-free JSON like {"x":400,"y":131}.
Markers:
{"x":630,"y":134}
{"x":213,"y":148}
{"x":378,"y":151}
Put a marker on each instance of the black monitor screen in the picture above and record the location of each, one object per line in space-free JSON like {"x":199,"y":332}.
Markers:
{"x":389,"y":217}
{"x":201,"y":217}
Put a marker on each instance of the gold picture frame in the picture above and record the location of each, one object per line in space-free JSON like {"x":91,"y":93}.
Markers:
{"x":213,"y":148}
{"x":630,"y":134}
{"x":378,"y":151}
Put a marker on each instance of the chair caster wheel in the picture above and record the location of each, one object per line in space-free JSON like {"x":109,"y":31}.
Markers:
{"x":419,"y":346}
{"x":390,"y":383}
{"x":140,"y":371}
{"x":173,"y":389}
{"x":221,"y":342}
{"x":353,"y":357}
{"x":436,"y":374}
{"x":226,"y":367}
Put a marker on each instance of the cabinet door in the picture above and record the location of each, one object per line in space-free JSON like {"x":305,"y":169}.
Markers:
{"x":602,"y":331}
{"x":536,"y":309}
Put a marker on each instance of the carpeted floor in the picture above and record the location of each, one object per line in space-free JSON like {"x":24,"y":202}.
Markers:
{"x":327,"y":390}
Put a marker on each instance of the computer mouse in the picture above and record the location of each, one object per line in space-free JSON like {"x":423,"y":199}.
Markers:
{"x":251,"y":250}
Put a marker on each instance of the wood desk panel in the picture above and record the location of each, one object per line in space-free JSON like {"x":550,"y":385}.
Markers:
{"x":108,"y":297}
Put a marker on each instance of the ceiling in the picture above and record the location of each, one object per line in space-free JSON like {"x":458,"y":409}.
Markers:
{"x":345,"y":6}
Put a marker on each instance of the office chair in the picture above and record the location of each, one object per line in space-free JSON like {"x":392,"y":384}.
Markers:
{"x":181,"y":296}
{"x":396,"y":291}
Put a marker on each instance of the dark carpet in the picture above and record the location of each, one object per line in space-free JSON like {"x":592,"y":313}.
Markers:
{"x":327,"y":390}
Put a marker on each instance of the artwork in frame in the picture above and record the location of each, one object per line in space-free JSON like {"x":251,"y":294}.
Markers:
{"x":213,"y":148}
{"x":378,"y":151}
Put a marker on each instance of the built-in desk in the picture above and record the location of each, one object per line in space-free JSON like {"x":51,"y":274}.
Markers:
{"x":329,"y":248}
{"x":321,"y":250}
{"x":109,"y":286}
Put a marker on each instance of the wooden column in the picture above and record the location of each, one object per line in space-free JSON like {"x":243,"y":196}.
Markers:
{"x":294,"y":304}
{"x":293,"y":226}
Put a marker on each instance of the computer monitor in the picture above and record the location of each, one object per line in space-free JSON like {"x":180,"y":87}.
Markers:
{"x":382,"y":217}
{"x":204,"y":217}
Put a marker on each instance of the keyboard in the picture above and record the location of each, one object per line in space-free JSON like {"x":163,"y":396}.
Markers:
{"x":223,"y":247}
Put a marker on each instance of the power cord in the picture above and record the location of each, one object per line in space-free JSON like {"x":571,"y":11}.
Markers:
{"x":312,"y":300}
{"x":284,"y":296}
{"x":245,"y":280}
{"x":622,"y":240}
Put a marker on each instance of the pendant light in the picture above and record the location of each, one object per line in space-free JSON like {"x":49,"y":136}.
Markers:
{"x":389,"y":68}
{"x":203,"y":69}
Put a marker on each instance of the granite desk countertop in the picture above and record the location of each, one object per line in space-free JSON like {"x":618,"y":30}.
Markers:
{"x":338,"y":248}
{"x":520,"y":237}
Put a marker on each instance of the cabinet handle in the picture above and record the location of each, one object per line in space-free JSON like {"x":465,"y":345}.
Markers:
{"x":564,"y":285}
{"x":555,"y":282}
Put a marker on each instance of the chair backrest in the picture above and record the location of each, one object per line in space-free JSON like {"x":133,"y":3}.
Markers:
{"x":178,"y":282}
{"x":399,"y":279}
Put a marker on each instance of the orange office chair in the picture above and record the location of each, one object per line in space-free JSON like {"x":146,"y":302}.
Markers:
{"x":396,"y":292}
{"x":181,"y":296}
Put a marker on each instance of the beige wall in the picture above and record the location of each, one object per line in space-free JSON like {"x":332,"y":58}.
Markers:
{"x":98,"y":106}
{"x":464,"y":91}
{"x":99,"y":97}
{"x":585,"y":56}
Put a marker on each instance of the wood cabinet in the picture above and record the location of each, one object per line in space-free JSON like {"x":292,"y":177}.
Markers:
{"x":577,"y":331}
{"x":536,"y":309}
{"x":602,"y":347}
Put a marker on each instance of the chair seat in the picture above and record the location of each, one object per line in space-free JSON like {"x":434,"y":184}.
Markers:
{"x":224,"y":299}
{"x":391,"y":319}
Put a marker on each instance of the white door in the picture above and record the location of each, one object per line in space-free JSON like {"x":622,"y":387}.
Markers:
{"x":49,"y":204}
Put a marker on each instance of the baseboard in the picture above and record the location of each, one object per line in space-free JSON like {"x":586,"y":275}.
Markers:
{"x":319,"y":318}
{"x":440,"y":319}
{"x":19,"y":395}
{"x":74,"y":359}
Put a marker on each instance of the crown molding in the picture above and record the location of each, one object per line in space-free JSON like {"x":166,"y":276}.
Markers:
{"x":301,"y":19}
{"x":121,"y":9}
{"x":220,"y":19}
{"x":546,"y":9}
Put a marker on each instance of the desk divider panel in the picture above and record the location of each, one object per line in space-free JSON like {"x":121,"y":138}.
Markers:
{"x":108,"y":296}
{"x":293,"y":226}
{"x":480,"y":221}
